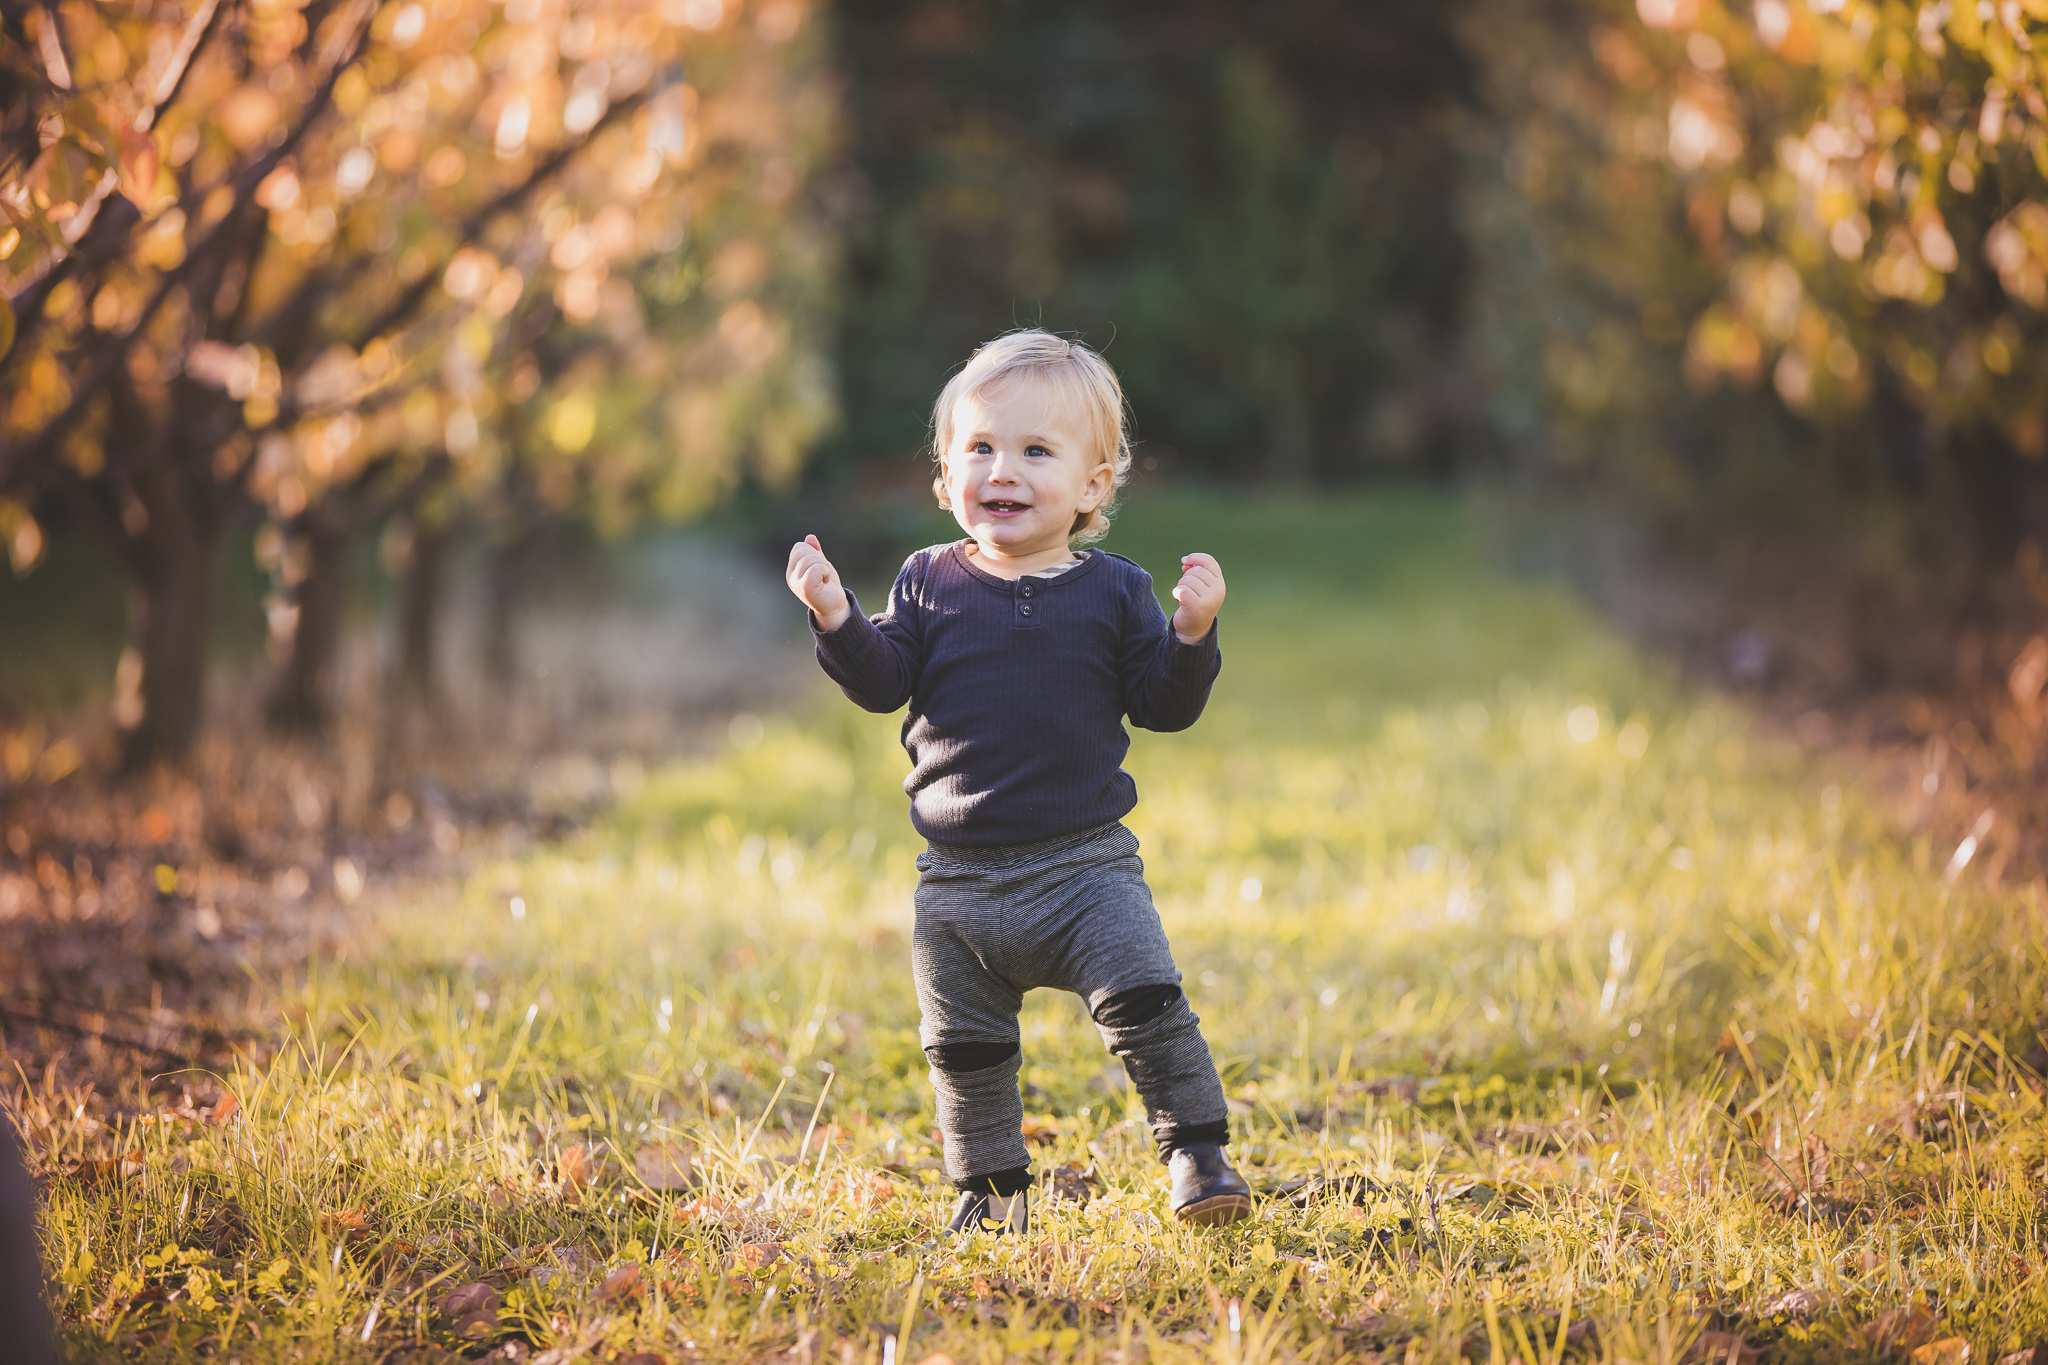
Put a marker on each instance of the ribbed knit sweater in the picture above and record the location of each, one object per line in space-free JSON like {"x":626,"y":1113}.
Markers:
{"x":1018,"y":690}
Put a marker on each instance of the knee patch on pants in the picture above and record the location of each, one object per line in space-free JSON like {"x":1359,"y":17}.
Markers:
{"x":970,"y":1054}
{"x":1139,"y":1005}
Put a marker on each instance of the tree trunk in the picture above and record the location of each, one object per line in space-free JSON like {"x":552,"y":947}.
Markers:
{"x":172,"y":581}
{"x":417,"y":670}
{"x":2001,"y":491}
{"x":303,"y":701}
{"x":505,"y":587}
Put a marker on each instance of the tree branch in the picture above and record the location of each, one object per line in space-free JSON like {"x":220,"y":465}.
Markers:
{"x":321,"y":284}
{"x":13,"y":457}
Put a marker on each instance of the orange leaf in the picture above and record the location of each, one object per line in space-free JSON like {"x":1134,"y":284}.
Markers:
{"x":704,"y":1206}
{"x":622,"y":1284}
{"x":756,"y":1255}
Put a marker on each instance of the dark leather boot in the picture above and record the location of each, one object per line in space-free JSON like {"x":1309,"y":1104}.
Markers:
{"x":1207,"y":1190}
{"x":984,"y":1212}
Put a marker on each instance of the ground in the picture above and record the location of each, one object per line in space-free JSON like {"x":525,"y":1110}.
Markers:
{"x":1566,"y":1013}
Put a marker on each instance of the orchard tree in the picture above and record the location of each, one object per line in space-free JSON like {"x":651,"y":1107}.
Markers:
{"x":1828,"y":220}
{"x":630,"y":348}
{"x":282,"y":309}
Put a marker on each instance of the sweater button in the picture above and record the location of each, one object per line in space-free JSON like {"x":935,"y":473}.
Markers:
{"x":1029,"y":589}
{"x":1024,"y":610}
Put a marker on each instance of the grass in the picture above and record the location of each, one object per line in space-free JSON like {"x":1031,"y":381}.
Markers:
{"x":1563,"y":1015}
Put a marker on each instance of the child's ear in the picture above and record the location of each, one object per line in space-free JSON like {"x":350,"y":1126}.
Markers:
{"x":1101,"y":484}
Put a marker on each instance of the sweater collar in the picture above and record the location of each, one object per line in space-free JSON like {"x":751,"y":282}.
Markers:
{"x":958,"y":549}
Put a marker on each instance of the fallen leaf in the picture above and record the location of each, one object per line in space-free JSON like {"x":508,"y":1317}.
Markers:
{"x":1721,"y":1348}
{"x":1947,"y":1351}
{"x":663,"y":1166}
{"x":472,"y":1309}
{"x":622,"y":1284}
{"x":1072,"y":1184}
{"x":755,"y":1255}
{"x":464,"y":1299}
{"x":708,"y":1206}
{"x":936,"y":1358}
{"x":1040,"y":1128}
{"x":1793,"y":1303}
{"x":1796,"y":1178}
{"x":1898,"y":1329}
{"x":863,"y":1192}
{"x":105,"y":1170}
{"x":572,"y":1164}
{"x":224,"y":1108}
{"x":2032,"y":1355}
{"x":350,"y":1224}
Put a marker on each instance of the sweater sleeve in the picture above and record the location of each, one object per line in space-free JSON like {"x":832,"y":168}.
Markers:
{"x":876,"y":660}
{"x":1166,"y":683}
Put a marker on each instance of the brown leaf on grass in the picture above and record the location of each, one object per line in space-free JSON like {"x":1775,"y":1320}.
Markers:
{"x":863,"y":1192}
{"x":1721,"y":1348}
{"x":663,"y":1166}
{"x":1041,"y":1128}
{"x":706,"y":1206}
{"x":1795,"y":1179}
{"x":464,"y":1299}
{"x":622,"y":1285}
{"x":1947,"y":1351}
{"x":108,"y":1170}
{"x":1074,"y":1185}
{"x":573,"y":1165}
{"x":1898,"y":1329}
{"x":2031,"y":1355}
{"x":472,"y":1309}
{"x":224,"y":1108}
{"x":802,"y":1351}
{"x":754,"y":1256}
{"x":1792,"y":1303}
{"x":1363,"y":1310}
{"x":350,"y":1224}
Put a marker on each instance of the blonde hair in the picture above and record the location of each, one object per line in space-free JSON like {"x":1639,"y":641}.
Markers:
{"x":1080,"y":377}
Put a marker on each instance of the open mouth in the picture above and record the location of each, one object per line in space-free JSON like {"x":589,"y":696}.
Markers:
{"x":1003,"y":508}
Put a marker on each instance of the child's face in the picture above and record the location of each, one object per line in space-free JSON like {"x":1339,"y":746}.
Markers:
{"x":1022,"y":469}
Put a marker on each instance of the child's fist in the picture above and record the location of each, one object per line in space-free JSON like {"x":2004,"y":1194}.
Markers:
{"x":812,"y":578}
{"x":1200,"y":594}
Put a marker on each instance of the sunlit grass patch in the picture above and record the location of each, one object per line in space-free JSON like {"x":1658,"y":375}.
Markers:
{"x":1562,"y":1014}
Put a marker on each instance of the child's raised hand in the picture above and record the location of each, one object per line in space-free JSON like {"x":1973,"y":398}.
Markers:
{"x":1200,"y":594}
{"x":812,"y":578}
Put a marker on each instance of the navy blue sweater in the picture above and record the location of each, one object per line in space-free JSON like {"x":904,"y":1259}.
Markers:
{"x":1018,"y":690}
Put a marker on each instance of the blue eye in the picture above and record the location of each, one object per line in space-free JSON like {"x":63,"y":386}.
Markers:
{"x":980,"y":448}
{"x":1036,"y":450}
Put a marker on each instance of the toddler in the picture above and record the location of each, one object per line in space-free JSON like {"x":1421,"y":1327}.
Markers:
{"x":1019,"y":659}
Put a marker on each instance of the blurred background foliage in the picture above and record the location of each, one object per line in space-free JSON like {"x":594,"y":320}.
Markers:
{"x":445,"y":275}
{"x":1251,"y":211}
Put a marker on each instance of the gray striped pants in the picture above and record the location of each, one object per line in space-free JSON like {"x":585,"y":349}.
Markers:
{"x":1072,"y":913}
